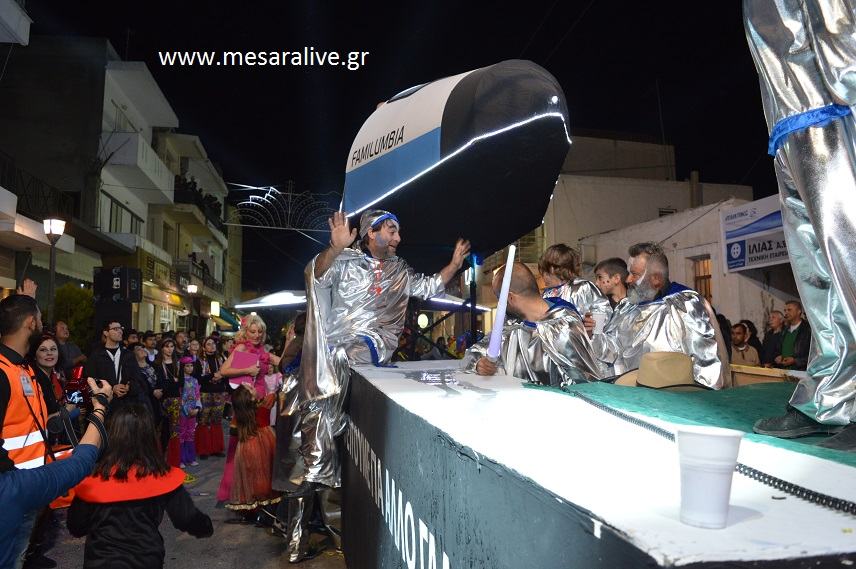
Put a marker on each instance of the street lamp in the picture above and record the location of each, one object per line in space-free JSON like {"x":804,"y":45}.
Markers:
{"x":192,"y":289}
{"x":54,"y":228}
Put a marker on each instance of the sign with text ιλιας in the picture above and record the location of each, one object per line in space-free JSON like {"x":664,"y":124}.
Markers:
{"x":752,"y":235}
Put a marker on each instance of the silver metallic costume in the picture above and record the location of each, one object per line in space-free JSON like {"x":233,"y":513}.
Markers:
{"x":581,"y":293}
{"x":677,"y":322}
{"x":355,"y":313}
{"x":553,"y":351}
{"x":805,"y":53}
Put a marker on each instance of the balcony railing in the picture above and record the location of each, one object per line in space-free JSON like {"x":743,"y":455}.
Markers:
{"x":158,"y":272}
{"x":36,"y":198}
{"x":135,"y":164}
{"x":187,"y":192}
{"x":193,"y":269}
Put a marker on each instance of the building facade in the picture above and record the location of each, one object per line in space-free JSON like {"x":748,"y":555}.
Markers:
{"x":134,"y":192}
{"x":693,"y":244}
{"x":608,"y":183}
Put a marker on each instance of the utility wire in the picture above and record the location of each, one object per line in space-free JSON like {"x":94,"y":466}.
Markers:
{"x":662,"y":124}
{"x":569,"y":30}
{"x":752,"y":167}
{"x":710,"y":209}
{"x":281,"y":250}
{"x":538,"y":29}
{"x":5,"y":63}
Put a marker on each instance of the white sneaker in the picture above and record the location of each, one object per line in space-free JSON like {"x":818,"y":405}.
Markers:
{"x":194,"y":463}
{"x":181,"y":465}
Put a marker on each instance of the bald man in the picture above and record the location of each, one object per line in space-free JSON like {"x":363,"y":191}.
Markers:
{"x":548,"y":345}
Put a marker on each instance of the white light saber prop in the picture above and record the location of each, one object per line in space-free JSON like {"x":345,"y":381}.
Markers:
{"x":499,"y":322}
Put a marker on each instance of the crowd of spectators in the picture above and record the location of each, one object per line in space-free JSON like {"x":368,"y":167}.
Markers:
{"x":170,"y":391}
{"x":116,"y":390}
{"x":785,"y":343}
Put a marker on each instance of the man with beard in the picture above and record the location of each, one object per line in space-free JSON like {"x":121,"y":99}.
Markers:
{"x":23,"y":412}
{"x":356,"y":303}
{"x":663,"y":316}
{"x":547,"y":346}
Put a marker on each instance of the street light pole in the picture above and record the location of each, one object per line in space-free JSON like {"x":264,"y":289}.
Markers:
{"x":192,"y":289}
{"x":54,"y":228}
{"x":52,"y":286}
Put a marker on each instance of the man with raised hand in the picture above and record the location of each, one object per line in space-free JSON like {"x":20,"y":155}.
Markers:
{"x":357,"y":297}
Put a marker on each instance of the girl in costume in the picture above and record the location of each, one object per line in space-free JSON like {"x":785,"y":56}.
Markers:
{"x":120,"y":506}
{"x":209,"y":432}
{"x":190,"y":407}
{"x":170,"y":383}
{"x":253,"y":465}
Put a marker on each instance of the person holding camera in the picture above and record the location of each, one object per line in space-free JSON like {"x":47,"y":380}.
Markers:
{"x":24,"y":492}
{"x":29,"y":479}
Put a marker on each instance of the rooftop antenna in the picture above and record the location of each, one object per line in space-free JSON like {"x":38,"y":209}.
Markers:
{"x":666,"y":161}
{"x":127,"y":41}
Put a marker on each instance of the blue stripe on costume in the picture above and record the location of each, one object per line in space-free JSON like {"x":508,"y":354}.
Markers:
{"x":294,"y":365}
{"x":375,"y":357}
{"x":813,"y":117}
{"x":554,"y":302}
{"x":674,"y":288}
{"x":559,"y":301}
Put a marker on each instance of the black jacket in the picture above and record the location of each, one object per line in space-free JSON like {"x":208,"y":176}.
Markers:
{"x":51,"y":404}
{"x":771,"y":347}
{"x":205,"y":380}
{"x":100,"y":366}
{"x":170,"y":379}
{"x":802,"y":346}
{"x":120,"y":520}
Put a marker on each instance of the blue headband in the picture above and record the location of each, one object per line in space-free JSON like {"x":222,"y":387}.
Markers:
{"x":383,"y":218}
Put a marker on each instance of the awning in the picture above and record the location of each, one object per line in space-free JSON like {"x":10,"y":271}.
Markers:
{"x":226,"y":320}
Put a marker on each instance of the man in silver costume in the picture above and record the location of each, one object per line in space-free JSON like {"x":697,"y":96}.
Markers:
{"x":559,"y":267}
{"x":549,"y":346}
{"x":663,"y":316}
{"x":805,"y":54}
{"x":356,"y":304}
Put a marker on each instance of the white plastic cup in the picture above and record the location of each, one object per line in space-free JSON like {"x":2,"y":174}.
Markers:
{"x":708,"y":456}
{"x":600,"y":319}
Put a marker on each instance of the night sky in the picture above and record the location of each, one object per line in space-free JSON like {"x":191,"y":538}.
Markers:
{"x":268,"y":125}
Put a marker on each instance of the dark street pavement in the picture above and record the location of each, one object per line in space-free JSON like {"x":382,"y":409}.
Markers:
{"x":231,"y":546}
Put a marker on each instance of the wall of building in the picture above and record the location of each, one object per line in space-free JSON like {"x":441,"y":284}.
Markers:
{"x":233,"y":262}
{"x":695,"y":234}
{"x":117,"y":102}
{"x":57,"y":143}
{"x":587,"y":205}
{"x":78,"y":266}
{"x":610,"y":155}
{"x":207,"y":177}
{"x":133,"y":199}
